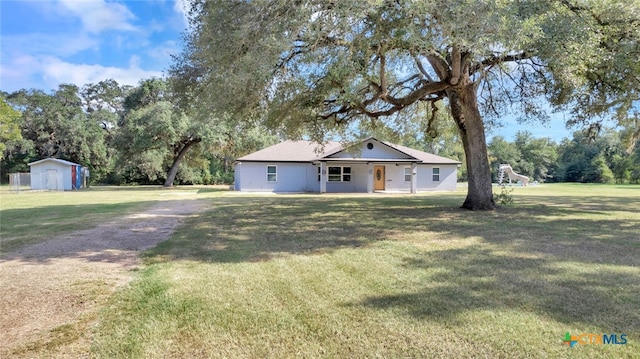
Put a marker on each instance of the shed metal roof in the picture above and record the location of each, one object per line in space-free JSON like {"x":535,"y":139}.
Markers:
{"x":54,"y":160}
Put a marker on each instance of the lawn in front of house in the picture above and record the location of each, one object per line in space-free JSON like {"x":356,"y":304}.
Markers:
{"x":388,"y":276}
{"x":31,"y":217}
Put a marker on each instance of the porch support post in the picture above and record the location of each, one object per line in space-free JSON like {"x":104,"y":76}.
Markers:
{"x":369,"y":177}
{"x":323,"y":177}
{"x":414,"y":177}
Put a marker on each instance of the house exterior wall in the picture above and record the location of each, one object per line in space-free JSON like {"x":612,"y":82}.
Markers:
{"x":303,"y":177}
{"x":313,"y":185}
{"x":394,"y":178}
{"x":297,"y":169}
{"x":296,"y":177}
{"x":290,"y":177}
{"x":40,"y":179}
{"x":448,"y":178}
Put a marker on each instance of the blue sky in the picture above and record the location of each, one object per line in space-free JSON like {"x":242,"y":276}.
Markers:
{"x":45,"y":43}
{"x":48,"y":42}
{"x":555,"y":128}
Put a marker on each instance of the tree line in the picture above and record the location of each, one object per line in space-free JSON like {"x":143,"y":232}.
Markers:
{"x":603,"y":159}
{"x":123,"y":134}
{"x":137,"y":135}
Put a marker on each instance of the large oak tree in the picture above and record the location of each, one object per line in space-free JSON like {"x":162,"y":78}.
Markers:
{"x":154,"y":137}
{"x":56,"y":125}
{"x":314,"y":65}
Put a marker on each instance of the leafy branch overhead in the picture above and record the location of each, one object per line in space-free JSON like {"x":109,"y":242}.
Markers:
{"x":374,"y":58}
{"x":311,"y":66}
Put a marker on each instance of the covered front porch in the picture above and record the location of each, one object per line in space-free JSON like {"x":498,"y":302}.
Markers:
{"x":367,"y":176}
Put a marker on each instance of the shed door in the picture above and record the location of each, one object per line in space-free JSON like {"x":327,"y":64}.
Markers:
{"x":51,"y":180}
{"x":378,"y":178}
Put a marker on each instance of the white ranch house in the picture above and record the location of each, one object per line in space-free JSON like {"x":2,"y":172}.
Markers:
{"x":371,"y":166}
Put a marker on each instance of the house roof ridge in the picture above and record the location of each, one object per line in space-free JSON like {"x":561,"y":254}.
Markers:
{"x":431,"y":156}
{"x":310,"y":151}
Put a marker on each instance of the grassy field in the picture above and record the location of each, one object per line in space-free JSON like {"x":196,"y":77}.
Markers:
{"x":383,"y":276}
{"x":29,"y":217}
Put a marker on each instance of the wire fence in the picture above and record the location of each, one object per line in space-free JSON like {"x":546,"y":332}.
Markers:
{"x":19,"y":182}
{"x":47,"y":181}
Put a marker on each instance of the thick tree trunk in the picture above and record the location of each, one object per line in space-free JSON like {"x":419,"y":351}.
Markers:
{"x":464,"y":108}
{"x":171,"y":176}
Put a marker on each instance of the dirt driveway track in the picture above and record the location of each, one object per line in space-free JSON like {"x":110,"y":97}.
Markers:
{"x":50,"y":291}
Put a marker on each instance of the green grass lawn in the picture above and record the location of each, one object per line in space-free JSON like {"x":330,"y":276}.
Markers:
{"x":388,"y":276}
{"x":30,"y":217}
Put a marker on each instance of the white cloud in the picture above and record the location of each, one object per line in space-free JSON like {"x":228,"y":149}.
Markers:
{"x":86,"y":43}
{"x":48,"y":72}
{"x":163,"y":52}
{"x":99,"y":15}
{"x":48,"y":43}
{"x":56,"y":71}
{"x":18,"y":73}
{"x":134,"y":62}
{"x":182,"y":8}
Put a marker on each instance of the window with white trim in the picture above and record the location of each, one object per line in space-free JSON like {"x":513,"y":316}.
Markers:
{"x":436,"y":174}
{"x":319,"y":174}
{"x":407,"y":174}
{"x":272,"y":173}
{"x":339,"y":174}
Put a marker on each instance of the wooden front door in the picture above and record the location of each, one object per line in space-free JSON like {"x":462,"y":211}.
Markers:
{"x":378,"y":178}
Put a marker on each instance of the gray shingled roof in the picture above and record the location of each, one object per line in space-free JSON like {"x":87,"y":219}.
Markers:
{"x":425,"y":157}
{"x":308,"y":151}
{"x":293,"y":151}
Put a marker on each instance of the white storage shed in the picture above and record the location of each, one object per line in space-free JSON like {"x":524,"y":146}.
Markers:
{"x":56,"y":175}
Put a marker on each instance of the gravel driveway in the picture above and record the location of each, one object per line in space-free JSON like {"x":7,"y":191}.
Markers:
{"x":50,"y":291}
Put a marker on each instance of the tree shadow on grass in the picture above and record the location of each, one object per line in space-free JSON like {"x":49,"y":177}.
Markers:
{"x":470,"y":279}
{"x":552,"y":259}
{"x":592,"y":204}
{"x":259,"y":228}
{"x":214,"y":189}
{"x":563,"y":230}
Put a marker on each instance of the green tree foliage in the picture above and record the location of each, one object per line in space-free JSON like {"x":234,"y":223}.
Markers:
{"x":239,"y":140}
{"x":9,"y":126}
{"x":157,"y":140}
{"x":625,"y":162}
{"x":55,"y":125}
{"x":501,"y":151}
{"x":126,"y":134}
{"x":606,"y":85}
{"x":539,"y":156}
{"x":313,"y":66}
{"x":428,"y":129}
{"x":107,"y":96}
{"x":104,"y":102}
{"x":634,"y":166}
{"x":582,"y":159}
